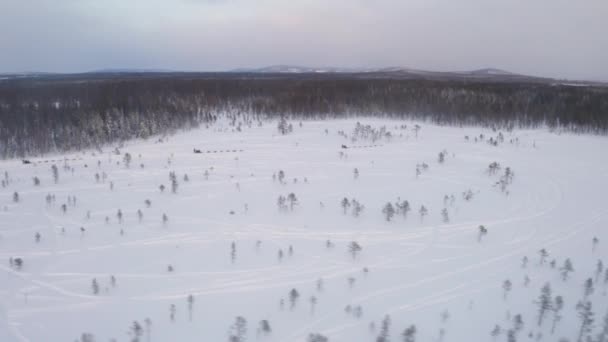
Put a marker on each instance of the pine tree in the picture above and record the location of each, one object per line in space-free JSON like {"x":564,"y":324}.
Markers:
{"x":495,"y":332}
{"x":317,"y":338}
{"x":384,"y":335}
{"x":588,"y":288}
{"x":388,"y":211}
{"x":172,"y":311}
{"x":403,"y":208}
{"x":345,"y":203}
{"x":174,"y":183}
{"x":409,"y":334}
{"x":445,"y":216}
{"x":585,"y":314}
{"x":594,"y":243}
{"x":190,"y":306}
{"x":238,"y":330}
{"x":518,"y":323}
{"x":566,"y":269}
{"x":543,"y":256}
{"x":55,"y":172}
{"x":95,"y":286}
{"x":558,"y":305}
{"x":544,"y":302}
{"x":264,"y":327}
{"x":127,"y":160}
{"x":423,"y":212}
{"x":482,"y":232}
{"x":506,"y":287}
{"x":354,"y":248}
{"x":233,"y":252}
{"x":136,"y":331}
{"x":293,"y":200}
{"x":293,"y":298}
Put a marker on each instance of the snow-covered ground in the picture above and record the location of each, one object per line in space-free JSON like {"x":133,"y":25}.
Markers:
{"x":436,"y":274}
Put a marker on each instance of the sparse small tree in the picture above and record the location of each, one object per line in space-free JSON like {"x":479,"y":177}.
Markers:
{"x":566,"y":269}
{"x":87,"y":337}
{"x":55,"y":172}
{"x":423,"y":212}
{"x":445,"y":217}
{"x":354,"y":248}
{"x":544,"y":302}
{"x":313,"y":303}
{"x":506,"y":287}
{"x":172,"y":312}
{"x":293,"y":298}
{"x":357,"y":207}
{"x":441,"y":157}
{"x":190,"y":300}
{"x":281,"y":203}
{"x":127,"y":160}
{"x":317,"y":338}
{"x":482,"y":232}
{"x":136,"y":331}
{"x":409,"y":334}
{"x":238,"y":330}
{"x":495,"y":332}
{"x":345,"y":203}
{"x":174,"y":183}
{"x":543,"y":256}
{"x":384,"y":335}
{"x":558,"y":305}
{"x":95,"y":286}
{"x":594,"y":242}
{"x":16,"y":197}
{"x":403,"y":208}
{"x":585,"y":314}
{"x":293,"y":200}
{"x":389,"y":211}
{"x":264,"y":327}
{"x":588,"y":288}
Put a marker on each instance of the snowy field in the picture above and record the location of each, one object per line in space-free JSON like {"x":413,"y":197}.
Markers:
{"x":437,"y":271}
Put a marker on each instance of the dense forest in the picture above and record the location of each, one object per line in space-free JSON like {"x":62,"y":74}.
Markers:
{"x":56,"y":113}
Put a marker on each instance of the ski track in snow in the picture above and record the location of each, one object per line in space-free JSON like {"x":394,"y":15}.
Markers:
{"x":426,"y":264}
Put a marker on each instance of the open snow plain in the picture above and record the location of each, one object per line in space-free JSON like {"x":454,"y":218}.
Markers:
{"x":435,"y":272}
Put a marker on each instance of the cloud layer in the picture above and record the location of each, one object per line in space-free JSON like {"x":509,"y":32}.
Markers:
{"x":557,"y":38}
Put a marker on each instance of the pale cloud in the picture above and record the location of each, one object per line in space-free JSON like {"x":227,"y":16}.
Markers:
{"x":559,"y":38}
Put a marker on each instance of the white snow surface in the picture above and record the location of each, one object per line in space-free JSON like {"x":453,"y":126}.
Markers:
{"x":418,"y":268}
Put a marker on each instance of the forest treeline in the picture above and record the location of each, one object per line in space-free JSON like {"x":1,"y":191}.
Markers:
{"x":44,"y":114}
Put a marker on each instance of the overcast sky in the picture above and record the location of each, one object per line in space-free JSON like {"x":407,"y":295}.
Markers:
{"x":556,"y":38}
